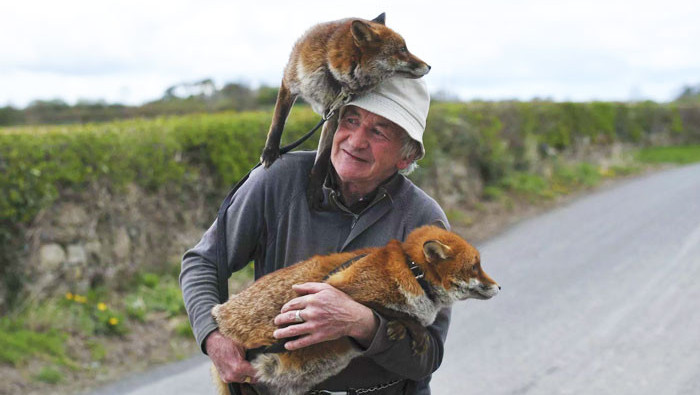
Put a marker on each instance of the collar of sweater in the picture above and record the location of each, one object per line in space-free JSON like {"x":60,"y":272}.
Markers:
{"x":388,"y":188}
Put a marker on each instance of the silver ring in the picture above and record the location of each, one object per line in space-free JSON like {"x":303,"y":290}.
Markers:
{"x":297,"y":316}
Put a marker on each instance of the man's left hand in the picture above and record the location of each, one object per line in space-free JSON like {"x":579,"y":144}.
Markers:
{"x":327,"y":314}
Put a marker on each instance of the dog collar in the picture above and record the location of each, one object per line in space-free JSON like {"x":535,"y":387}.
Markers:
{"x":419,"y":274}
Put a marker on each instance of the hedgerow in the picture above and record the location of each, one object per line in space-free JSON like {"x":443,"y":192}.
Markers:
{"x":496,"y":139}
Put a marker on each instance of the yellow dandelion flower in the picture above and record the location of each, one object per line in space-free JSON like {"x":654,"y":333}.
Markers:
{"x":101,"y":306}
{"x":80,"y":299}
{"x":113,"y":321}
{"x":69,"y":296}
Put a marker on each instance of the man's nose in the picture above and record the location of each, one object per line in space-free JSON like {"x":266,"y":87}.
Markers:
{"x":358,"y":138}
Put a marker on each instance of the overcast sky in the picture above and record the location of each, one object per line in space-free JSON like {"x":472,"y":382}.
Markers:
{"x":131,"y":51}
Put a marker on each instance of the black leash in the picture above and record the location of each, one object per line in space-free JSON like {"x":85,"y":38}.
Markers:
{"x":222,"y":265}
{"x":221,"y":254}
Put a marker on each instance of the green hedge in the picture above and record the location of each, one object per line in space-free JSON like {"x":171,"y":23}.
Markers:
{"x":498,"y":139}
{"x":37,"y":162}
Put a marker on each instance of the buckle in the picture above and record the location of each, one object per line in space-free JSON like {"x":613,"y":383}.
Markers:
{"x":416,"y":270}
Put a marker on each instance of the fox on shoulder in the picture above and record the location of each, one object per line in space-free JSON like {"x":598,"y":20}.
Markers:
{"x":331,"y":60}
{"x":381,"y":279}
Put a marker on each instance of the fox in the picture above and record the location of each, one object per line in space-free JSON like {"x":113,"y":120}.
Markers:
{"x":406,"y":282}
{"x":334,"y":59}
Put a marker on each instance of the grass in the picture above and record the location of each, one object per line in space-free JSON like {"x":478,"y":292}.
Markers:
{"x":675,"y":154}
{"x":18,"y":344}
{"x":458,"y":217}
{"x":155,"y":293}
{"x":49,"y":374}
{"x":42,"y":332}
{"x":563,"y":179}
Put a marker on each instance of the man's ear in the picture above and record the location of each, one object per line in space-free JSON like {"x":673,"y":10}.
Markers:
{"x":403,"y":163}
{"x":435,"y":251}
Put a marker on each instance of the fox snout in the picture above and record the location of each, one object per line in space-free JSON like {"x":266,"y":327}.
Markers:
{"x":484,"y":286}
{"x":413,"y":67}
{"x":419,"y":68}
{"x":484,"y":290}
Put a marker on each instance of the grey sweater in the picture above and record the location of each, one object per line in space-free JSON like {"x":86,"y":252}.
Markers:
{"x":269,"y":222}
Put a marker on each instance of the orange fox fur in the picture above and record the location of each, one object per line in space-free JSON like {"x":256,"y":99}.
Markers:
{"x":381,"y":280}
{"x":350,"y":56}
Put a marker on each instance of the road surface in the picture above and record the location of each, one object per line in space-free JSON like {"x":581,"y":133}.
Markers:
{"x":599,"y":297}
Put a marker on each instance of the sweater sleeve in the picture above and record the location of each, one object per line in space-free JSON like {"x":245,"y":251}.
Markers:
{"x":198,"y":276}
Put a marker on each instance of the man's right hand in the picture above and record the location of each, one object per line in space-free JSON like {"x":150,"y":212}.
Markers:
{"x":229,"y":359}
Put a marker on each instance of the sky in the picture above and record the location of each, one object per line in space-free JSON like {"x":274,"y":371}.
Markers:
{"x":131,"y":51}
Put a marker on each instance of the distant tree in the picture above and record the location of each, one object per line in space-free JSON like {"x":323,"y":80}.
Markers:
{"x":237,"y":96}
{"x":689,"y":94}
{"x":46,"y":111}
{"x":266,"y":96}
{"x":206,"y":87}
{"x":445,"y":96}
{"x":10,"y":116}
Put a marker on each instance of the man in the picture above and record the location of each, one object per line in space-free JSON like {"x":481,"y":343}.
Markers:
{"x":366,"y":203}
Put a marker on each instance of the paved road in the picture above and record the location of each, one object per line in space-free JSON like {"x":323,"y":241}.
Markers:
{"x":599,"y":297}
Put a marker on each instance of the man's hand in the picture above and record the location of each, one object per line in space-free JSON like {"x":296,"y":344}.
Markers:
{"x":328,"y":314}
{"x":229,"y":359}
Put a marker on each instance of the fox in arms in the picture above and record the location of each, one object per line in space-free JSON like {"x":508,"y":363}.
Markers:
{"x":406,"y":282}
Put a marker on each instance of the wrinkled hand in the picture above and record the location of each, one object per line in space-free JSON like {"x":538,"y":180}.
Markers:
{"x":229,"y":359}
{"x":328,"y":314}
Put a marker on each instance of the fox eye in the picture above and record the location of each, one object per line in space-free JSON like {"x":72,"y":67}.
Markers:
{"x":403,"y":49}
{"x":475,"y":268}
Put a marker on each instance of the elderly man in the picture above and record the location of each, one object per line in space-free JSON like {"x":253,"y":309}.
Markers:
{"x":367,"y":202}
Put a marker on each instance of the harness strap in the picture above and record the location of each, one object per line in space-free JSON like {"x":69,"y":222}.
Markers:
{"x":222,"y":271}
{"x":221,"y":253}
{"x":342,"y":99}
{"x":344,"y":265}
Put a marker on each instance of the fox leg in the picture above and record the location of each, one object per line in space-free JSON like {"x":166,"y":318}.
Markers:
{"x":314,"y":191}
{"x":400,"y":325}
{"x":285,"y":101}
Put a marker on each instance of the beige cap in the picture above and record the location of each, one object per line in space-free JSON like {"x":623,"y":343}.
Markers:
{"x":404,"y":101}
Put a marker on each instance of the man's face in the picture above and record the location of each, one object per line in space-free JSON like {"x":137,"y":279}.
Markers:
{"x":366,"y":149}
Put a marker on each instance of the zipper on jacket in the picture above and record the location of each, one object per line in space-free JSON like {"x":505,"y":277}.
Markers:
{"x":355,"y":217}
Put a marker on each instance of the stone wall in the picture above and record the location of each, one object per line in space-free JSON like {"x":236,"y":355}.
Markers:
{"x":101,"y":237}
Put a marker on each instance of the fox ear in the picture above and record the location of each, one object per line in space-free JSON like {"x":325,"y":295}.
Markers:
{"x":380,"y":19}
{"x":434,"y":251}
{"x":362,"y":32}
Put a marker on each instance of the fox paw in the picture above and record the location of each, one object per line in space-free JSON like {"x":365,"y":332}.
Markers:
{"x":269,"y":155}
{"x":419,"y":344}
{"x":395,"y":330}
